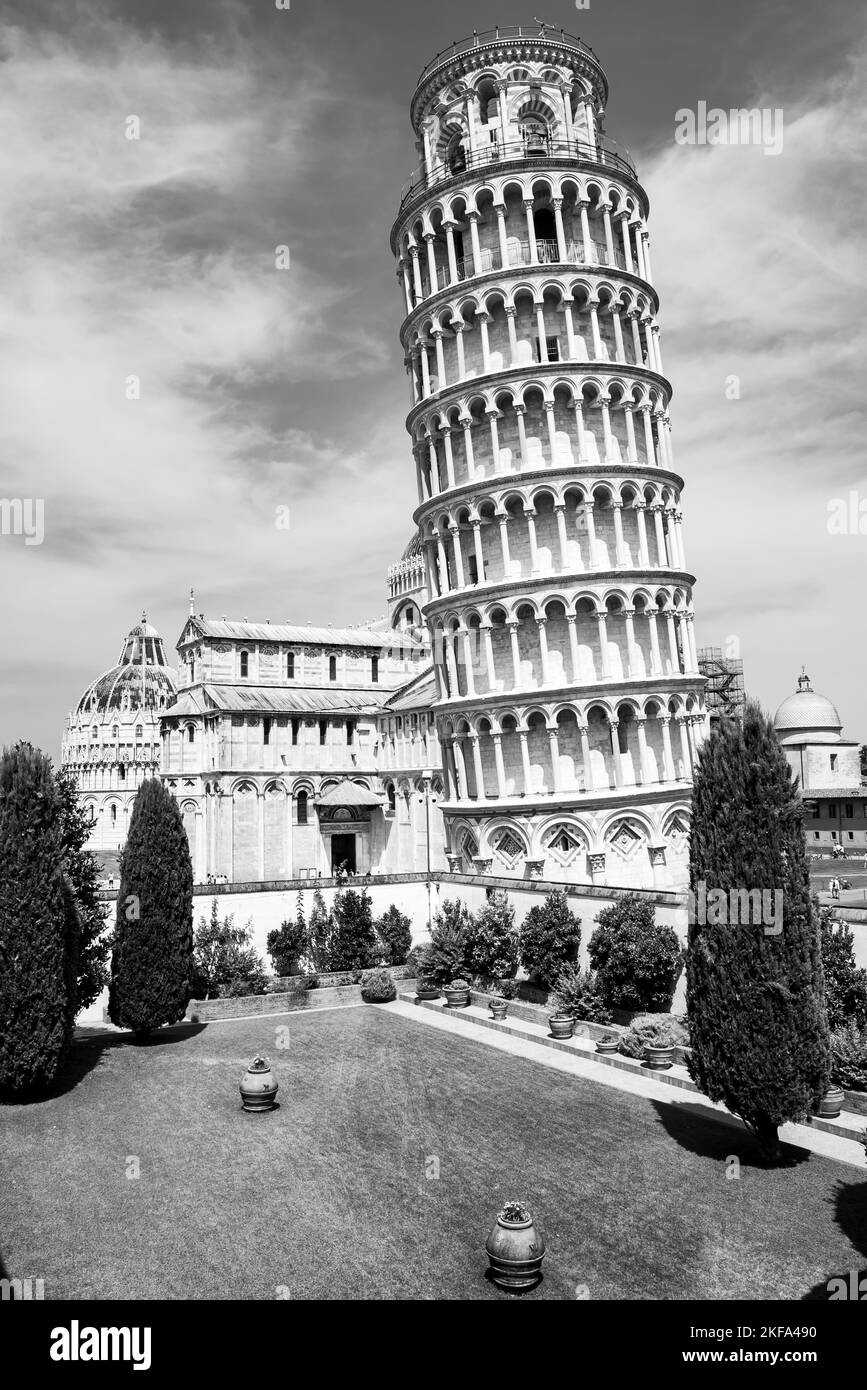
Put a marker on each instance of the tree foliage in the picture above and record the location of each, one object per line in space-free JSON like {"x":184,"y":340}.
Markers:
{"x":152,"y":958}
{"x":225,"y":962}
{"x":758,"y":1029}
{"x":38,"y":924}
{"x":637,"y":960}
{"x":394,"y":933}
{"x":550,"y":938}
{"x":82,"y":874}
{"x":353,"y":942}
{"x":845,"y":983}
{"x":492,"y":942}
{"x":449,"y":943}
{"x":319,"y":934}
{"x":287,"y":945}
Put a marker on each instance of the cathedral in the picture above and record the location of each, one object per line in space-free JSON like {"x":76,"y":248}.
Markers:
{"x":532,"y":704}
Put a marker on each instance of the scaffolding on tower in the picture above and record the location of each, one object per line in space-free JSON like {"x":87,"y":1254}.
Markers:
{"x":724,"y":691}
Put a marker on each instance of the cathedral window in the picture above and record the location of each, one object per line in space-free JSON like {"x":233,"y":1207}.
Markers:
{"x":114,"y":815}
{"x":191,"y":733}
{"x":290,"y":666}
{"x":301,"y":802}
{"x":350,"y":732}
{"x":374,"y":668}
{"x":245,"y":664}
{"x":294,"y":732}
{"x":323,"y":730}
{"x":94,"y":734}
{"x":332,"y":668}
{"x":266,"y":731}
{"x":139,"y":732}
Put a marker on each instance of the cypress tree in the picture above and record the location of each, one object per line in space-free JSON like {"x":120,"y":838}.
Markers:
{"x":152,"y":960}
{"x":82,"y":873}
{"x":38,"y":924}
{"x":754,"y":990}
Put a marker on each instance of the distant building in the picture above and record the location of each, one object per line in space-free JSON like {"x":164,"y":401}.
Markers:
{"x":828,"y":768}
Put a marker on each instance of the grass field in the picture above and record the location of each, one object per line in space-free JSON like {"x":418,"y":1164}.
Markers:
{"x":327,"y":1196}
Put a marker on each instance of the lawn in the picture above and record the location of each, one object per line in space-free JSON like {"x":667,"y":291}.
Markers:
{"x":328,"y":1196}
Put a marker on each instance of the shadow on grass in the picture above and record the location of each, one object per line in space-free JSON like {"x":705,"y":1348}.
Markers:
{"x":702,"y":1132}
{"x":850,"y":1214}
{"x":86,"y":1054}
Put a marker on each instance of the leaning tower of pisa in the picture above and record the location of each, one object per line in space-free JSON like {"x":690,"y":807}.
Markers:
{"x":559,"y":603}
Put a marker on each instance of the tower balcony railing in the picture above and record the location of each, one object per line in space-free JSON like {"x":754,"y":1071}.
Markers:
{"x":547,"y":253}
{"x":503,"y":32}
{"x":531,"y":147}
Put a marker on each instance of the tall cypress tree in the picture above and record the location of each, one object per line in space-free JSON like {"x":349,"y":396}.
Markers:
{"x":754,"y":991}
{"x":82,"y":873}
{"x":152,"y":960}
{"x":38,"y":924}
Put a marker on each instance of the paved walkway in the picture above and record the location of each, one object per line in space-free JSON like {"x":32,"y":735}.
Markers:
{"x":521,"y":1041}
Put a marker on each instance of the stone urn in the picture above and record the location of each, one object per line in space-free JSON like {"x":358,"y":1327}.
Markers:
{"x":499,"y":1008}
{"x":457,"y":994}
{"x":259,"y":1085}
{"x":831,"y":1103}
{"x":515,"y":1248}
{"x":561,"y":1027}
{"x":658,"y":1058}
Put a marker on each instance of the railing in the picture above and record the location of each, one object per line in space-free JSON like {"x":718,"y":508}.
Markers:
{"x":541,"y":32}
{"x":547,"y":253}
{"x":534,"y":148}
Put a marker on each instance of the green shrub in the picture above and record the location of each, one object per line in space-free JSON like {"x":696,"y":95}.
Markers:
{"x":377,"y":986}
{"x":152,"y":958}
{"x":38,"y":925}
{"x":577,"y":995}
{"x":82,"y":874}
{"x":320,"y":933}
{"x":550,"y":938}
{"x":845,"y":983}
{"x":492,"y":945}
{"x":458,"y":984}
{"x":849,"y":1057}
{"x":287,"y":945}
{"x":353,"y":943}
{"x":653,"y":1030}
{"x":637,"y":961}
{"x":394,"y":930}
{"x":449,"y":941}
{"x":223,"y":956}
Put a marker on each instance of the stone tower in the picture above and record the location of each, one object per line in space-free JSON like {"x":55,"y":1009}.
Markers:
{"x":559,"y":606}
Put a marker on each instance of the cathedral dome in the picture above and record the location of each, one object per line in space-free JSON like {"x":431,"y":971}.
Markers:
{"x":140,"y":680}
{"x":413,"y":548}
{"x":806,"y":716}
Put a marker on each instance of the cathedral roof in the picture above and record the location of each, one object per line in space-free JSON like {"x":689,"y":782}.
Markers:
{"x":276,"y":699}
{"x":807,"y":717}
{"x":292,"y":632}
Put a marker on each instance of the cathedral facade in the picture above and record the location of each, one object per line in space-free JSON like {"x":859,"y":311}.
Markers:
{"x":532,"y":705}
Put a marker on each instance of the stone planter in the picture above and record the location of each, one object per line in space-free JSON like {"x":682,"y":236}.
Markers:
{"x":831,"y":1103}
{"x":427,"y":992}
{"x":456,"y":998}
{"x":515,"y":1251}
{"x":561,"y":1027}
{"x":259,"y":1086}
{"x":607,"y":1046}
{"x":499,"y":1009}
{"x":658,"y":1058}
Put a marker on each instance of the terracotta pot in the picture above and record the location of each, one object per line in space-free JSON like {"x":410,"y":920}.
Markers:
{"x":515,"y":1251}
{"x":498,"y":1009}
{"x":259,"y":1086}
{"x":607,"y":1047}
{"x":427,"y":992}
{"x":831,"y":1103}
{"x":659,"y":1058}
{"x":561,"y":1027}
{"x":456,"y":998}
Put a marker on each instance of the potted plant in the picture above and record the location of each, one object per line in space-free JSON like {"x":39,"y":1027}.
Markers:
{"x":515,"y":1249}
{"x":457,"y":994}
{"x":427,"y":989}
{"x":498,"y":1007}
{"x":258,"y":1085}
{"x":659,"y":1044}
{"x":608,"y":1043}
{"x":831,"y":1103}
{"x":561,"y":1024}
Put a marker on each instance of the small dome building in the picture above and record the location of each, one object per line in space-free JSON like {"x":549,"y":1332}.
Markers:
{"x":828,"y":768}
{"x":112,"y":738}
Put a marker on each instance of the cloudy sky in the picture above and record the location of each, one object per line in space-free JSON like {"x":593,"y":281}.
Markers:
{"x":153,"y":258}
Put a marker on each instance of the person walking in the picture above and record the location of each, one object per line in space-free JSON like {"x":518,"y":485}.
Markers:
{"x":835,"y":888}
